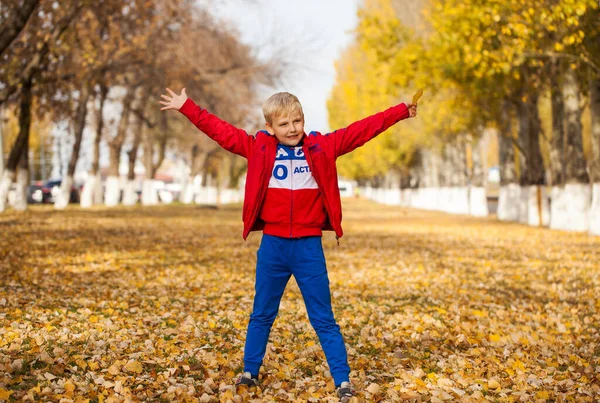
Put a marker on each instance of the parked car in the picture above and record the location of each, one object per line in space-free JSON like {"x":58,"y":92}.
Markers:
{"x":51,"y":188}
{"x":34,"y":193}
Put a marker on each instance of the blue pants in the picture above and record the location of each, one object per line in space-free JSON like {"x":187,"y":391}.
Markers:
{"x":278,"y":259}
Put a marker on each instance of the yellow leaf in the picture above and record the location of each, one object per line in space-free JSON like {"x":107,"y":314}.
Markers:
{"x":5,"y":394}
{"x":417,"y":96}
{"x":543,"y":394}
{"x":493,"y":384}
{"x":518,"y":365}
{"x":69,"y":387}
{"x":134,"y":366}
{"x":495,"y":337}
{"x":114,"y":369}
{"x":420,"y":382}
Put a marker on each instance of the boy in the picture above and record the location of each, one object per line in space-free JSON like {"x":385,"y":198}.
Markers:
{"x":292,"y":195}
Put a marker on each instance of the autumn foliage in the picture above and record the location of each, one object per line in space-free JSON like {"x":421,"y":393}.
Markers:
{"x":151,"y":304}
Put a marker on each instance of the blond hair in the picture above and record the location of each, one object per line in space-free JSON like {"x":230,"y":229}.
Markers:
{"x":280,"y":104}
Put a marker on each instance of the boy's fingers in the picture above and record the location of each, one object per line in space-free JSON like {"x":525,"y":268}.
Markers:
{"x":164,"y":103}
{"x":183,"y":93}
{"x":170,"y":91}
{"x":165,"y":97}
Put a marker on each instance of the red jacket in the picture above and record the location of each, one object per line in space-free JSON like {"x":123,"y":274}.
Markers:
{"x":321,"y":152}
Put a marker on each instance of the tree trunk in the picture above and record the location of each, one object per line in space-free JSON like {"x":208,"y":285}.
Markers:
{"x":193,"y":184}
{"x":149,"y":185}
{"x":113,"y":188}
{"x":20,"y":197}
{"x":477,"y":195}
{"x":99,"y":128}
{"x":21,"y":144}
{"x":130,"y":195}
{"x":458,"y":197}
{"x":571,"y":203}
{"x":1,"y":141}
{"x":534,"y":208}
{"x":594,"y":219}
{"x":428,"y":195}
{"x":557,"y":148}
{"x":92,"y":189}
{"x":15,"y":22}
{"x":575,"y":169}
{"x":64,"y":195}
{"x":509,"y":194}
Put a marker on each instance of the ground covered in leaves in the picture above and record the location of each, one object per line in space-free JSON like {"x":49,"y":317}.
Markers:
{"x":151,"y":304}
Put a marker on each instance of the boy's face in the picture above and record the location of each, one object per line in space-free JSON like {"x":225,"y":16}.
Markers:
{"x":288,"y":129}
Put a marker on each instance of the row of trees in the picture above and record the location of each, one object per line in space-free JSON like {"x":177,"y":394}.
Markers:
{"x":103,"y":64}
{"x":527,"y":73}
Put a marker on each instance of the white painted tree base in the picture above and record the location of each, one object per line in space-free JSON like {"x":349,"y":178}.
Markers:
{"x":570,"y":208}
{"x":594,"y":215}
{"x":113,"y":191}
{"x":405,"y":197}
{"x":528,"y":207}
{"x":5,"y":183}
{"x":444,"y":199}
{"x":509,"y":202}
{"x":433,"y":198}
{"x":206,"y":195}
{"x":228,"y":196}
{"x":64,"y":194}
{"x":188,"y":191}
{"x":92,"y":192}
{"x":130,"y":197}
{"x":558,"y":214}
{"x":149,"y":192}
{"x":20,"y":201}
{"x":478,"y":206}
{"x":459,"y":200}
{"x":391,"y":197}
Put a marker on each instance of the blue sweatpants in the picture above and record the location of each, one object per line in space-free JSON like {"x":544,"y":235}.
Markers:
{"x":278,"y":259}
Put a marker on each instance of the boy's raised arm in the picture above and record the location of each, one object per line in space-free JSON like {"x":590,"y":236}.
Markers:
{"x":358,"y":133}
{"x":228,"y":136}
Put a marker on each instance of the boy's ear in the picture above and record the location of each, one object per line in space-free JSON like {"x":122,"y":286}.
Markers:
{"x":269,"y":128}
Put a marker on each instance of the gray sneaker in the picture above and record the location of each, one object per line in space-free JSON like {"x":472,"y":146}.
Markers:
{"x":345,"y":392}
{"x":246,"y":380}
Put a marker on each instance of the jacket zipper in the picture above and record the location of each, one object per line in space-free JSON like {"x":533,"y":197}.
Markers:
{"x":314,"y":174}
{"x":261,"y":192}
{"x":291,"y":197}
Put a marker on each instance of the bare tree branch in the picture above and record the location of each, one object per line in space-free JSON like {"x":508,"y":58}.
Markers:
{"x":15,"y":22}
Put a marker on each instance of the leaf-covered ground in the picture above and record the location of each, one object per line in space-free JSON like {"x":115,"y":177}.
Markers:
{"x":151,"y":304}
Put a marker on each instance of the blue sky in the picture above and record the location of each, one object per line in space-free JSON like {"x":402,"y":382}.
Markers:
{"x":312,"y":33}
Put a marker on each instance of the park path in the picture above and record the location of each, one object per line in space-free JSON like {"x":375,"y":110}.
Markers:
{"x":151,"y":304}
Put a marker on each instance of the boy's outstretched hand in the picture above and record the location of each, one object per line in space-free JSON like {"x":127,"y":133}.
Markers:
{"x":173,"y":101}
{"x":412,"y":110}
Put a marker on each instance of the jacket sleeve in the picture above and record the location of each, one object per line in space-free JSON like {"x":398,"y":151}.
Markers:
{"x":225,"y":134}
{"x":358,"y":133}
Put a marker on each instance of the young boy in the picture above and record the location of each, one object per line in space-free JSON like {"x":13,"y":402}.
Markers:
{"x":292,"y":195}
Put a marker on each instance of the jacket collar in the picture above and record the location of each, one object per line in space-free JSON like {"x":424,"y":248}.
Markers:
{"x":302,"y":143}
